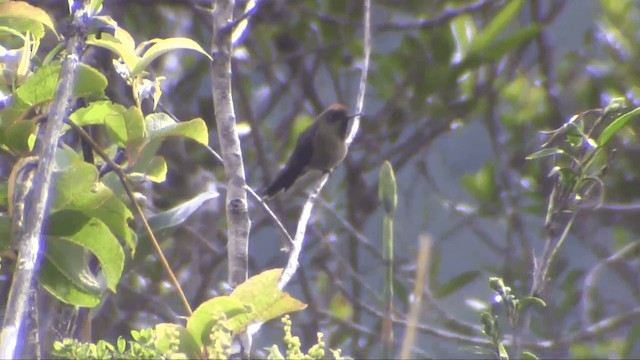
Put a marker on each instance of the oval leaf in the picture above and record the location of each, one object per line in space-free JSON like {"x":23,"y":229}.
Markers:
{"x":545,"y":152}
{"x":267,"y":301}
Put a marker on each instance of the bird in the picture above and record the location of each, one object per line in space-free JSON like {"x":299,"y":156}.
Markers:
{"x":321,"y":146}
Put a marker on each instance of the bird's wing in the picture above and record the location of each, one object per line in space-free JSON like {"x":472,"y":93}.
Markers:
{"x":296,"y":164}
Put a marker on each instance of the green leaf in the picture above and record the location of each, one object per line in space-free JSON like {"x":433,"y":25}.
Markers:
{"x":482,"y":185}
{"x":18,"y":134}
{"x":161,"y":46}
{"x":168,"y":335}
{"x":502,"y":352}
{"x":23,"y":10}
{"x":87,"y":233}
{"x":267,"y":301}
{"x":496,"y":26}
{"x":530,"y":301}
{"x":568,"y":177}
{"x":40,"y":87}
{"x":104,"y":113}
{"x":434,"y":266}
{"x":5,"y":231}
{"x":340,"y":307}
{"x":134,"y":129}
{"x":616,"y":125}
{"x":70,"y":261}
{"x":58,"y":285}
{"x":157,"y":171}
{"x":205,"y":316}
{"x":545,"y":152}
{"x":22,"y":28}
{"x":77,"y":188}
{"x":123,"y":49}
{"x":626,"y":348}
{"x":495,"y":51}
{"x":95,"y":7}
{"x":455,"y":284}
{"x":160,"y":125}
{"x":89,"y":81}
{"x":528,"y":356}
{"x":179,"y":214}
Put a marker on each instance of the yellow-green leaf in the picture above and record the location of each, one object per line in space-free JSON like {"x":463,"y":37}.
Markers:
{"x":23,"y":10}
{"x":162,"y":46}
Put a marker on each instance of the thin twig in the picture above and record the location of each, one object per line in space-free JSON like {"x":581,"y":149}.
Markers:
{"x":357,"y":234}
{"x":273,"y":216}
{"x":592,"y":276}
{"x":292,"y":263}
{"x":440,"y":20}
{"x":123,"y":180}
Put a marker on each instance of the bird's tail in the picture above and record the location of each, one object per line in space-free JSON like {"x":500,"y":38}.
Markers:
{"x":282,"y":182}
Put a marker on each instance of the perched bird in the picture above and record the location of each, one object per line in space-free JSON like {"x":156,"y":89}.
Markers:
{"x":321,"y":146}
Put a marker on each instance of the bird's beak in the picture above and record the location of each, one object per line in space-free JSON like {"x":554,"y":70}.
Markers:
{"x":354,"y":115}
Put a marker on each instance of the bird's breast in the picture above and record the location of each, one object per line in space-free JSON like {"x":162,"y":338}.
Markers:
{"x":328,"y":152}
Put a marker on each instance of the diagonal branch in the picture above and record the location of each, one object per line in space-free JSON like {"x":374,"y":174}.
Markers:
{"x":29,"y":235}
{"x":293,"y":262}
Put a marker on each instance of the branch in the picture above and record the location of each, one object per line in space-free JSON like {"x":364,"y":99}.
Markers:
{"x":29,"y":234}
{"x":591,"y":278}
{"x":443,"y":18}
{"x":292,"y":263}
{"x":123,"y":180}
{"x":239,"y":223}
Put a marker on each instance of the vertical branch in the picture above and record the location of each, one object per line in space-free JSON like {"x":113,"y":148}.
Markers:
{"x":36,"y":198}
{"x":236,"y":202}
{"x":418,"y":290}
{"x":365,"y":71}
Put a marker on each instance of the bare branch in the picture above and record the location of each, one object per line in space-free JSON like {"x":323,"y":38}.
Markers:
{"x":239,"y":223}
{"x":29,"y":240}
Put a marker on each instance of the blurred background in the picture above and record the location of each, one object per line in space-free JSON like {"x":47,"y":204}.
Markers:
{"x":456,"y":122}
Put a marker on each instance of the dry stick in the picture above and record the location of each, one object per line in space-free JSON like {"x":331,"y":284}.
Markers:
{"x":118,"y":171}
{"x":292,"y":263}
{"x":414,"y":312}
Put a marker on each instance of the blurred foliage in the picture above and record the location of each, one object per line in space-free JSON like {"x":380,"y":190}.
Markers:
{"x":458,"y":93}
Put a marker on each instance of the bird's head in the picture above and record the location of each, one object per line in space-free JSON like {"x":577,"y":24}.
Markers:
{"x":335,"y":118}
